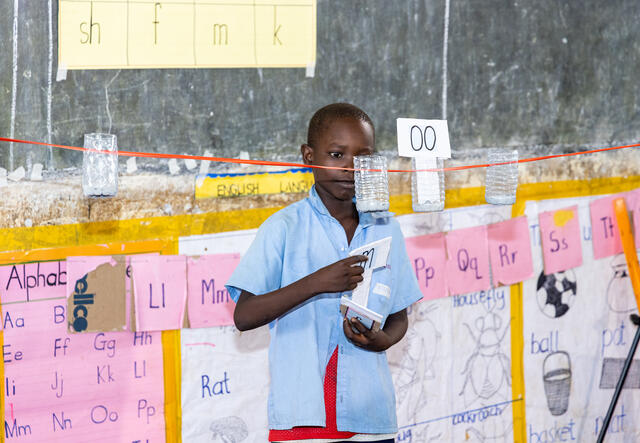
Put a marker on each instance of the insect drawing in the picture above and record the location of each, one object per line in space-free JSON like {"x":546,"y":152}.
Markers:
{"x":487,"y":369}
{"x":416,"y":367}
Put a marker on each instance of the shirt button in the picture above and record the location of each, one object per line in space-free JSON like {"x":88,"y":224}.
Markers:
{"x":342,"y":249}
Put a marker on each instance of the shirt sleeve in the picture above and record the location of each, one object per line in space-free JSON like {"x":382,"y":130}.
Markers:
{"x":405,"y":290}
{"x":260,"y":269}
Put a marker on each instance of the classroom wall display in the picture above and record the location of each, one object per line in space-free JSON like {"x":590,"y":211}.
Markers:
{"x":61,"y":387}
{"x":452,"y":370}
{"x":577,"y":333}
{"x":225,"y":382}
{"x":186,"y":34}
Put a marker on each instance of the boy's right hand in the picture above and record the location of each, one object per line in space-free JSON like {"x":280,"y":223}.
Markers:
{"x":343,"y":275}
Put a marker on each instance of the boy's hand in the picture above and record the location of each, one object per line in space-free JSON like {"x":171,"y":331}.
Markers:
{"x":343,"y":275}
{"x":394,"y":329}
{"x":365,"y":338}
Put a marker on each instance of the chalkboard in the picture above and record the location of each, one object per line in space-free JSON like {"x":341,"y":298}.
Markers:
{"x":537,"y":75}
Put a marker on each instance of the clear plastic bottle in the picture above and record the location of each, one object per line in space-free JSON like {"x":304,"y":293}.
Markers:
{"x":427,"y":188}
{"x":501,"y":181}
{"x":100,"y":171}
{"x":372,"y":186}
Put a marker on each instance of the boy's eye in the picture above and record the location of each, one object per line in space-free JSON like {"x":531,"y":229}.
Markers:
{"x":335,"y":154}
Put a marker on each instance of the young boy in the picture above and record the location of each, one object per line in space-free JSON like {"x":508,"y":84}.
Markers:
{"x":330,"y":379}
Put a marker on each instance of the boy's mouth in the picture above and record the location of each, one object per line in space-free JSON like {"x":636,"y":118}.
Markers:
{"x":346,"y":184}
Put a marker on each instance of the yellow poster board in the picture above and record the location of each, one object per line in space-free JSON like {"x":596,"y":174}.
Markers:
{"x":121,"y":34}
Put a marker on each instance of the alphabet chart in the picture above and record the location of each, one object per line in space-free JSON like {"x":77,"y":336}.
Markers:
{"x":73,"y":387}
{"x":576,"y":326}
{"x":120,"y":34}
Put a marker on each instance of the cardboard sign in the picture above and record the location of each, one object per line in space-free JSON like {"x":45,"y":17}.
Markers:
{"x":428,"y":255}
{"x":423,"y":138}
{"x":468,"y":260}
{"x":510,"y":251}
{"x":96,"y":294}
{"x":560,"y":234}
{"x":378,"y":254}
{"x":604,"y":228}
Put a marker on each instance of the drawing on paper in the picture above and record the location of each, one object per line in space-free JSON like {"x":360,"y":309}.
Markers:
{"x":556,"y":293}
{"x":556,"y":378}
{"x":483,"y":435}
{"x":611,"y":370}
{"x":229,"y":430}
{"x":619,"y":291}
{"x":488,"y":368}
{"x":416,"y":367}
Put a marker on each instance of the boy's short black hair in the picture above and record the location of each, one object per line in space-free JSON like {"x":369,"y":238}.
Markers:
{"x":328,"y":114}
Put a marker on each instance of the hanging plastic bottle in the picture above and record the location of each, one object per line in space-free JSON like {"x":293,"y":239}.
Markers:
{"x":501,"y":181}
{"x":427,"y":187}
{"x":100,"y":170}
{"x":371,"y":183}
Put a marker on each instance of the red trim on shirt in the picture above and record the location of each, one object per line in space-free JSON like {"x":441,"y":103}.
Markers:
{"x":331,"y":428}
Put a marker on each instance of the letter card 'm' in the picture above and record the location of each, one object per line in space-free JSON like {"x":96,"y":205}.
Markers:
{"x":208,"y":301}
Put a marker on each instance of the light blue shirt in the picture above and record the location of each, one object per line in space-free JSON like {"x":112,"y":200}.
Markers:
{"x":291,"y":244}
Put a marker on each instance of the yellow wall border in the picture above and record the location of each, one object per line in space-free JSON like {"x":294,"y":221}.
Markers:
{"x":43,"y":243}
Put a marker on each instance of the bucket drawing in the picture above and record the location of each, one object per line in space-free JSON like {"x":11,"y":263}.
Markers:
{"x":556,"y":377}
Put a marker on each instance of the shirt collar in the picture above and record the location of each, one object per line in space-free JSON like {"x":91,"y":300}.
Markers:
{"x":366,"y":218}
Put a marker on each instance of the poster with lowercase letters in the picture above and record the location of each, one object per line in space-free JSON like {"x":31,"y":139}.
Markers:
{"x":61,"y":387}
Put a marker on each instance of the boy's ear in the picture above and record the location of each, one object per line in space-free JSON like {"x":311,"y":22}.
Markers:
{"x":307,"y":154}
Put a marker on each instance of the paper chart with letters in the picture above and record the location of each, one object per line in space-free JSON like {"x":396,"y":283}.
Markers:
{"x":576,"y":328}
{"x":61,"y":387}
{"x":452,"y":370}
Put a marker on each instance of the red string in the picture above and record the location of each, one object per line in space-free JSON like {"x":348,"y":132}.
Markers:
{"x":300,"y":165}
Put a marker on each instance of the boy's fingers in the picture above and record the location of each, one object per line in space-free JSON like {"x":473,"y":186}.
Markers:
{"x":348,"y":332}
{"x":359,"y":326}
{"x":356,"y":259}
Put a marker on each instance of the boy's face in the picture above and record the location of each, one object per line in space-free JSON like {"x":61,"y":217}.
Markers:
{"x":336,"y":146}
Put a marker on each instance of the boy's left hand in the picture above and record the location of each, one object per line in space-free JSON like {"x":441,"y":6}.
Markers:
{"x":394,"y":329}
{"x":365,"y":338}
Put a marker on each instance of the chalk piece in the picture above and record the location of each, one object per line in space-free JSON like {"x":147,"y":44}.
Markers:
{"x":36,"y":172}
{"x":244,"y":155}
{"x":17,"y":175}
{"x":204,"y":165}
{"x":131,"y":165}
{"x":310,"y":72}
{"x":61,"y":74}
{"x":190,"y":164}
{"x":3,"y":177}
{"x":173,"y":166}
